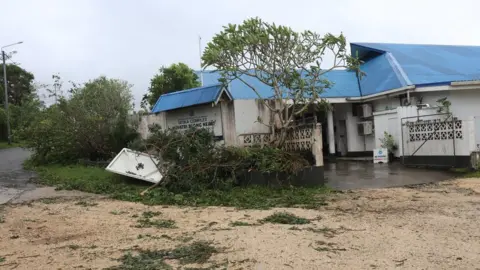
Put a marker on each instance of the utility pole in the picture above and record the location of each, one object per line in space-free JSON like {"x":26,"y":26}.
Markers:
{"x":200,"y":55}
{"x":5,"y":85}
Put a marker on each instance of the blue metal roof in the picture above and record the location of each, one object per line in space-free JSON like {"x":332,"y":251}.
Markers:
{"x":190,"y":97}
{"x":345,"y":84}
{"x":379,"y":76}
{"x":387,"y":66}
{"x":428,"y":64}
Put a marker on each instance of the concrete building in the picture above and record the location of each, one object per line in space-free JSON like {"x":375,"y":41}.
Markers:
{"x":399,"y":94}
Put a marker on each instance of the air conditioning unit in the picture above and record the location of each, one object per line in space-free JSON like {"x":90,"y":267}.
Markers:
{"x":364,"y":110}
{"x":365,"y":128}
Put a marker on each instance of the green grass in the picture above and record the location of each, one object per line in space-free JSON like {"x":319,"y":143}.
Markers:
{"x":240,"y":223}
{"x":475,"y":174}
{"x":150,"y":214}
{"x":197,"y":252}
{"x":157,"y":223}
{"x":86,"y":204}
{"x":5,"y":145}
{"x":2,"y":259}
{"x":285,"y":218}
{"x":97,"y":180}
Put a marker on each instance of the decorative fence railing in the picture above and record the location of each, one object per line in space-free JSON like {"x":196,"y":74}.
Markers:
{"x":300,"y":138}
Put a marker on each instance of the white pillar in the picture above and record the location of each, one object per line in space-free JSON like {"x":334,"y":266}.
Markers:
{"x":331,"y":133}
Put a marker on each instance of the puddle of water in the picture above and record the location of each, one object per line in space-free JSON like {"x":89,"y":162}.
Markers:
{"x":361,"y":175}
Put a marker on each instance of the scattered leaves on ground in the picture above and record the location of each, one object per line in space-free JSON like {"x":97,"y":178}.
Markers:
{"x":285,"y":218}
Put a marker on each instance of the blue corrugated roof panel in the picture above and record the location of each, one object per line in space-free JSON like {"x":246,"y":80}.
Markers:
{"x":380,"y":76}
{"x":186,"y":98}
{"x":430,"y":64}
{"x":345,"y":84}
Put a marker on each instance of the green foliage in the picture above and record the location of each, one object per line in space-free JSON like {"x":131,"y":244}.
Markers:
{"x":20,"y":85}
{"x":195,"y":162}
{"x":240,"y":224}
{"x":388,"y":142}
{"x":93,"y":124}
{"x":176,"y":77}
{"x":21,"y":117}
{"x":198,"y":252}
{"x":285,"y":218}
{"x":286,"y":61}
{"x":144,"y":260}
{"x":97,"y":180}
{"x":157,"y":223}
{"x":444,"y":105}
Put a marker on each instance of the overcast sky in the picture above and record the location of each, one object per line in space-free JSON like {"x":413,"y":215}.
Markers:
{"x":130,"y":40}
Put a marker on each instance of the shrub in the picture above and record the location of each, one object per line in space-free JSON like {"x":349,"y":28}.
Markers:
{"x":92,"y":124}
{"x":194,"y":162}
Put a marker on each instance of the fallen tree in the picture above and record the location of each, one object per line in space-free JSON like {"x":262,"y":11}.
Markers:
{"x":191,"y":160}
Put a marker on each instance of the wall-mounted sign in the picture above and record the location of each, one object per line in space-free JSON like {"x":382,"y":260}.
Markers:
{"x":204,"y":116}
{"x":380,"y":155}
{"x":194,"y":122}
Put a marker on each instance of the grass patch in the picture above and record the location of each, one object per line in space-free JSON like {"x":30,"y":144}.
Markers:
{"x":325,"y":246}
{"x":2,"y":219}
{"x":74,"y":247}
{"x":97,"y":180}
{"x":115,"y":212}
{"x":144,"y":260}
{"x":475,"y":174}
{"x":285,"y":218}
{"x":86,"y":204}
{"x":5,"y":145}
{"x":2,"y":259}
{"x":49,"y":200}
{"x":240,"y":223}
{"x":150,"y":214}
{"x":157,"y":223}
{"x":197,"y":252}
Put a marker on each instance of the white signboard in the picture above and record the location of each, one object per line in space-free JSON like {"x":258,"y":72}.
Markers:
{"x":204,"y":116}
{"x":137,"y":165}
{"x":380,"y":155}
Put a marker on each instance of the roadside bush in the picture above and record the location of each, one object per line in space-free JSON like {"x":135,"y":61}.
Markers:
{"x":92,"y":124}
{"x":193,"y":161}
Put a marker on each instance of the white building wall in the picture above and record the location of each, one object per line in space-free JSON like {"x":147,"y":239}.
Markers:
{"x":353,"y":141}
{"x":465,"y":105}
{"x":148,"y":120}
{"x":247,"y":112}
{"x":385,"y":104}
{"x":386,"y":121}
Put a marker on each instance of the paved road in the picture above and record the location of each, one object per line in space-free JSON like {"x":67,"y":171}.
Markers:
{"x":14,"y":180}
{"x":362,"y":175}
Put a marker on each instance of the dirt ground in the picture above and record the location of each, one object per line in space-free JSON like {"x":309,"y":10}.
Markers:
{"x":423,"y":227}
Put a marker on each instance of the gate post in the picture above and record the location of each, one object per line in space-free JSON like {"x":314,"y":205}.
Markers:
{"x":317,"y":145}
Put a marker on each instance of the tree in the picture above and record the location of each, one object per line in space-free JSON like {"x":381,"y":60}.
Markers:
{"x":93,"y":123}
{"x":20,"y":85}
{"x":285,"y":60}
{"x":170,"y":79}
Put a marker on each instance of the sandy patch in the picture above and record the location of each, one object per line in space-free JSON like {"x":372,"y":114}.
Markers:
{"x":425,"y":227}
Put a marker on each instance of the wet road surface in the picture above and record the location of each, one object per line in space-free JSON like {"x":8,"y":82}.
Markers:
{"x":345,"y":175}
{"x":14,"y":180}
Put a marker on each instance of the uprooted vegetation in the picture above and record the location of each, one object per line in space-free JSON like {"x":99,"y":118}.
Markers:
{"x":194,"y":162}
{"x":285,"y":218}
{"x":198,"y":173}
{"x":197,"y":252}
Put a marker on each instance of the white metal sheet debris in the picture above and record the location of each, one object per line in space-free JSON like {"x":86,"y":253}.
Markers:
{"x":137,"y":165}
